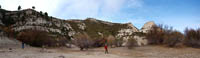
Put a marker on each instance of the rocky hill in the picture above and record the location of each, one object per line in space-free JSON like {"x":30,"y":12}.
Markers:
{"x":16,"y":22}
{"x":147,"y":26}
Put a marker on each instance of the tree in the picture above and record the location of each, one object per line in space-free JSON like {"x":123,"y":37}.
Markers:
{"x":41,"y":12}
{"x":0,"y":6}
{"x":19,"y":7}
{"x":192,"y":37}
{"x":46,"y":14}
{"x":33,"y":7}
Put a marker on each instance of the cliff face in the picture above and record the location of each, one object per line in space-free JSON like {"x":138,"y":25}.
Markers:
{"x":18,"y":21}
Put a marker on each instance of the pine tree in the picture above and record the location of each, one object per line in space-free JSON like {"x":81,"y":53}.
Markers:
{"x":19,"y":7}
{"x":33,"y":7}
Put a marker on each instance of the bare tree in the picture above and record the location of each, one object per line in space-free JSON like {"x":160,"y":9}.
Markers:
{"x":174,"y":39}
{"x":36,"y":38}
{"x":192,"y":37}
{"x":82,"y":40}
{"x":111,"y":40}
{"x":165,"y":35}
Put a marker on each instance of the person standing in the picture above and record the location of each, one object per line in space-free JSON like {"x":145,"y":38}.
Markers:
{"x":23,"y":44}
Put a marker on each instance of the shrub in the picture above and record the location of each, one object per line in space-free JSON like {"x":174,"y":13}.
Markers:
{"x":82,"y":40}
{"x":131,"y":43}
{"x":9,"y":32}
{"x":155,"y":35}
{"x":111,"y":41}
{"x":36,"y":38}
{"x":192,"y":38}
{"x":98,"y":42}
{"x":174,"y":39}
{"x":165,"y":35}
{"x":119,"y":42}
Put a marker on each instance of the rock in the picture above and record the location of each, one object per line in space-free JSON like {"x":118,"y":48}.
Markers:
{"x":130,"y":25}
{"x":82,"y":26}
{"x":61,"y":56}
{"x":147,"y":26}
{"x":141,"y":41}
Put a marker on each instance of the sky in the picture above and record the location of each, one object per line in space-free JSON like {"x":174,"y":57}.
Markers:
{"x":176,"y":13}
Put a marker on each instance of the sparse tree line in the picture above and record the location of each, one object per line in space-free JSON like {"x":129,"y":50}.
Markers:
{"x":84,"y":41}
{"x":33,"y":7}
{"x":159,"y":35}
{"x":19,"y":7}
{"x":165,"y":35}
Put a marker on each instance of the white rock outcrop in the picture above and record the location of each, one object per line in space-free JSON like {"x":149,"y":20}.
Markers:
{"x":141,"y":40}
{"x":130,"y":25}
{"x":81,"y":26}
{"x":147,"y":26}
{"x":126,"y":34}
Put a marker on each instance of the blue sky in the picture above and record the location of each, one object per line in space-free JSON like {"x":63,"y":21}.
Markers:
{"x":176,"y":13}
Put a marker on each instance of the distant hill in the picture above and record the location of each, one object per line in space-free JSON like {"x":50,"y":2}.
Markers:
{"x":29,"y":19}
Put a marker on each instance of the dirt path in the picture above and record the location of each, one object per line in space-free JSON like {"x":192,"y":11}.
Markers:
{"x":121,"y":52}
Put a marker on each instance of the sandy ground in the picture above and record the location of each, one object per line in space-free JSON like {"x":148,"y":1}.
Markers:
{"x":120,"y":52}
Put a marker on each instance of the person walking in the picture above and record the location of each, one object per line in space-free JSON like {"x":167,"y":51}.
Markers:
{"x":106,"y":48}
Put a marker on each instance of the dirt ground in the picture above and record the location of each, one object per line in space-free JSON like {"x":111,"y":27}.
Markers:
{"x":120,"y":52}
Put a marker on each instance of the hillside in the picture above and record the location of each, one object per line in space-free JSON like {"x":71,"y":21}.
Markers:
{"x":62,"y":31}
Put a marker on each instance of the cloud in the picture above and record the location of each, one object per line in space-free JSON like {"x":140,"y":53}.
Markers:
{"x":78,"y":8}
{"x":74,"y":8}
{"x":135,"y":3}
{"x":94,"y":8}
